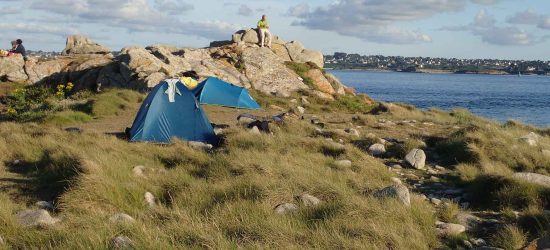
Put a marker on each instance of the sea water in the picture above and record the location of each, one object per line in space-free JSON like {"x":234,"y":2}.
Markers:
{"x":498,"y":97}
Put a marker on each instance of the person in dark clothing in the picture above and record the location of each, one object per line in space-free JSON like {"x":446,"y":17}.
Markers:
{"x":20,"y":49}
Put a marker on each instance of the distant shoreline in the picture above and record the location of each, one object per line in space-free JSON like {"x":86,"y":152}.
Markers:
{"x":436,"y":72}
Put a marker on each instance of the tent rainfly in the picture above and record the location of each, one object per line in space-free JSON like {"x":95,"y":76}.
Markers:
{"x":214,"y":91}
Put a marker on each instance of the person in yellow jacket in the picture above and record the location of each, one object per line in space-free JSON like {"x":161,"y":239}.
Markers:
{"x":263,"y":29}
{"x":190,"y":79}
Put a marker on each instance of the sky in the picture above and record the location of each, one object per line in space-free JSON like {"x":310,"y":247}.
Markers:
{"x":499,"y":29}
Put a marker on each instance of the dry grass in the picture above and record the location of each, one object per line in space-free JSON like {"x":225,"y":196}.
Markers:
{"x":223,"y":199}
{"x":509,"y":238}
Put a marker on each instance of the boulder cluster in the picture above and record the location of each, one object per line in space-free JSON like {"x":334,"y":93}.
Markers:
{"x":240,"y":61}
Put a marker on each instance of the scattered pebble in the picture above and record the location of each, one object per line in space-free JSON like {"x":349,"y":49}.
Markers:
{"x":449,"y":229}
{"x":309,"y":200}
{"x":197,"y":145}
{"x":301,"y":109}
{"x":150,"y":199}
{"x":121,"y":218}
{"x":48,"y":205}
{"x":138,"y":170}
{"x":255,"y":130}
{"x":342,"y":163}
{"x":123,"y":242}
{"x":39,"y":217}
{"x":377,"y":149}
{"x":435,"y":201}
{"x":396,"y":180}
{"x":400,"y":192}
{"x":285,"y":208}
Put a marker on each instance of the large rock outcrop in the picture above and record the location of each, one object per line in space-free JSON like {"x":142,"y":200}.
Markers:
{"x":239,"y":61}
{"x":78,"y":44}
{"x":268,"y":74}
{"x":293,"y":51}
{"x":12,"y":69}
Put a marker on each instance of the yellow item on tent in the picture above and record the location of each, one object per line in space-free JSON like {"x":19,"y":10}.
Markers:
{"x":189,"y":82}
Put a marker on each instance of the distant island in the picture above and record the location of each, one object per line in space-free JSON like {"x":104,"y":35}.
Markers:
{"x":436,"y":65}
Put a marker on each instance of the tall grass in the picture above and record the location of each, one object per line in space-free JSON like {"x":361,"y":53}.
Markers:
{"x":222,"y":199}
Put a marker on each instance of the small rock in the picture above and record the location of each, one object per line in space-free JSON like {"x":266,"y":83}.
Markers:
{"x":416,"y":158}
{"x":74,"y":130}
{"x":276,"y":107}
{"x":301,"y":109}
{"x":467,"y":244}
{"x":309,"y":200}
{"x":304,"y":100}
{"x":400,"y":192}
{"x":150,"y":199}
{"x":440,"y":168}
{"x":479,"y":242}
{"x":15,"y":162}
{"x":434,"y":178}
{"x":455,"y":191}
{"x":48,"y":205}
{"x":284,"y":208}
{"x":352,"y":131}
{"x":531,"y":139}
{"x":396,"y":180}
{"x":396,"y":166}
{"x":435,"y":201}
{"x":377,"y":149}
{"x":218,"y":131}
{"x":432,"y":172}
{"x":138,"y":170}
{"x":244,"y":121}
{"x":534,"y":178}
{"x":123,"y":242}
{"x":341,"y":141}
{"x":293,"y":101}
{"x":197,"y":145}
{"x":449,"y":229}
{"x":255,"y":130}
{"x":1,"y":241}
{"x":342,"y":163}
{"x":468,"y":220}
{"x":40,"y":217}
{"x":121,"y":218}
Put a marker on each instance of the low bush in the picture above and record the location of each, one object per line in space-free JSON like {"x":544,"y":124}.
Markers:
{"x":509,"y":237}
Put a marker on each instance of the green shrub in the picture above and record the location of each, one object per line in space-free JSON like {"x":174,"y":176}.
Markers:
{"x":27,"y":104}
{"x":114,"y":101}
{"x":301,"y":69}
{"x":503,"y":192}
{"x":68,"y":117}
{"x":353,"y":103}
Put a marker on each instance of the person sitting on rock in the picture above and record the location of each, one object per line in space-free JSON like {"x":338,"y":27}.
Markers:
{"x":190,"y":79}
{"x":18,"y":48}
{"x":263,"y":29}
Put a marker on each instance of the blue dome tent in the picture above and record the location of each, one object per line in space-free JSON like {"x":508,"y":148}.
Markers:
{"x":214,"y":91}
{"x":171,"y":110}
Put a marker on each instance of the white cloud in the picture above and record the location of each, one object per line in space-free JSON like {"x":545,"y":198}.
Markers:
{"x":545,"y":23}
{"x":529,"y":16}
{"x":486,"y":2}
{"x":484,"y":26}
{"x":244,"y":10}
{"x":173,"y":7}
{"x":159,"y":16}
{"x":373,"y":20}
{"x":38,"y":29}
{"x":300,"y":10}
